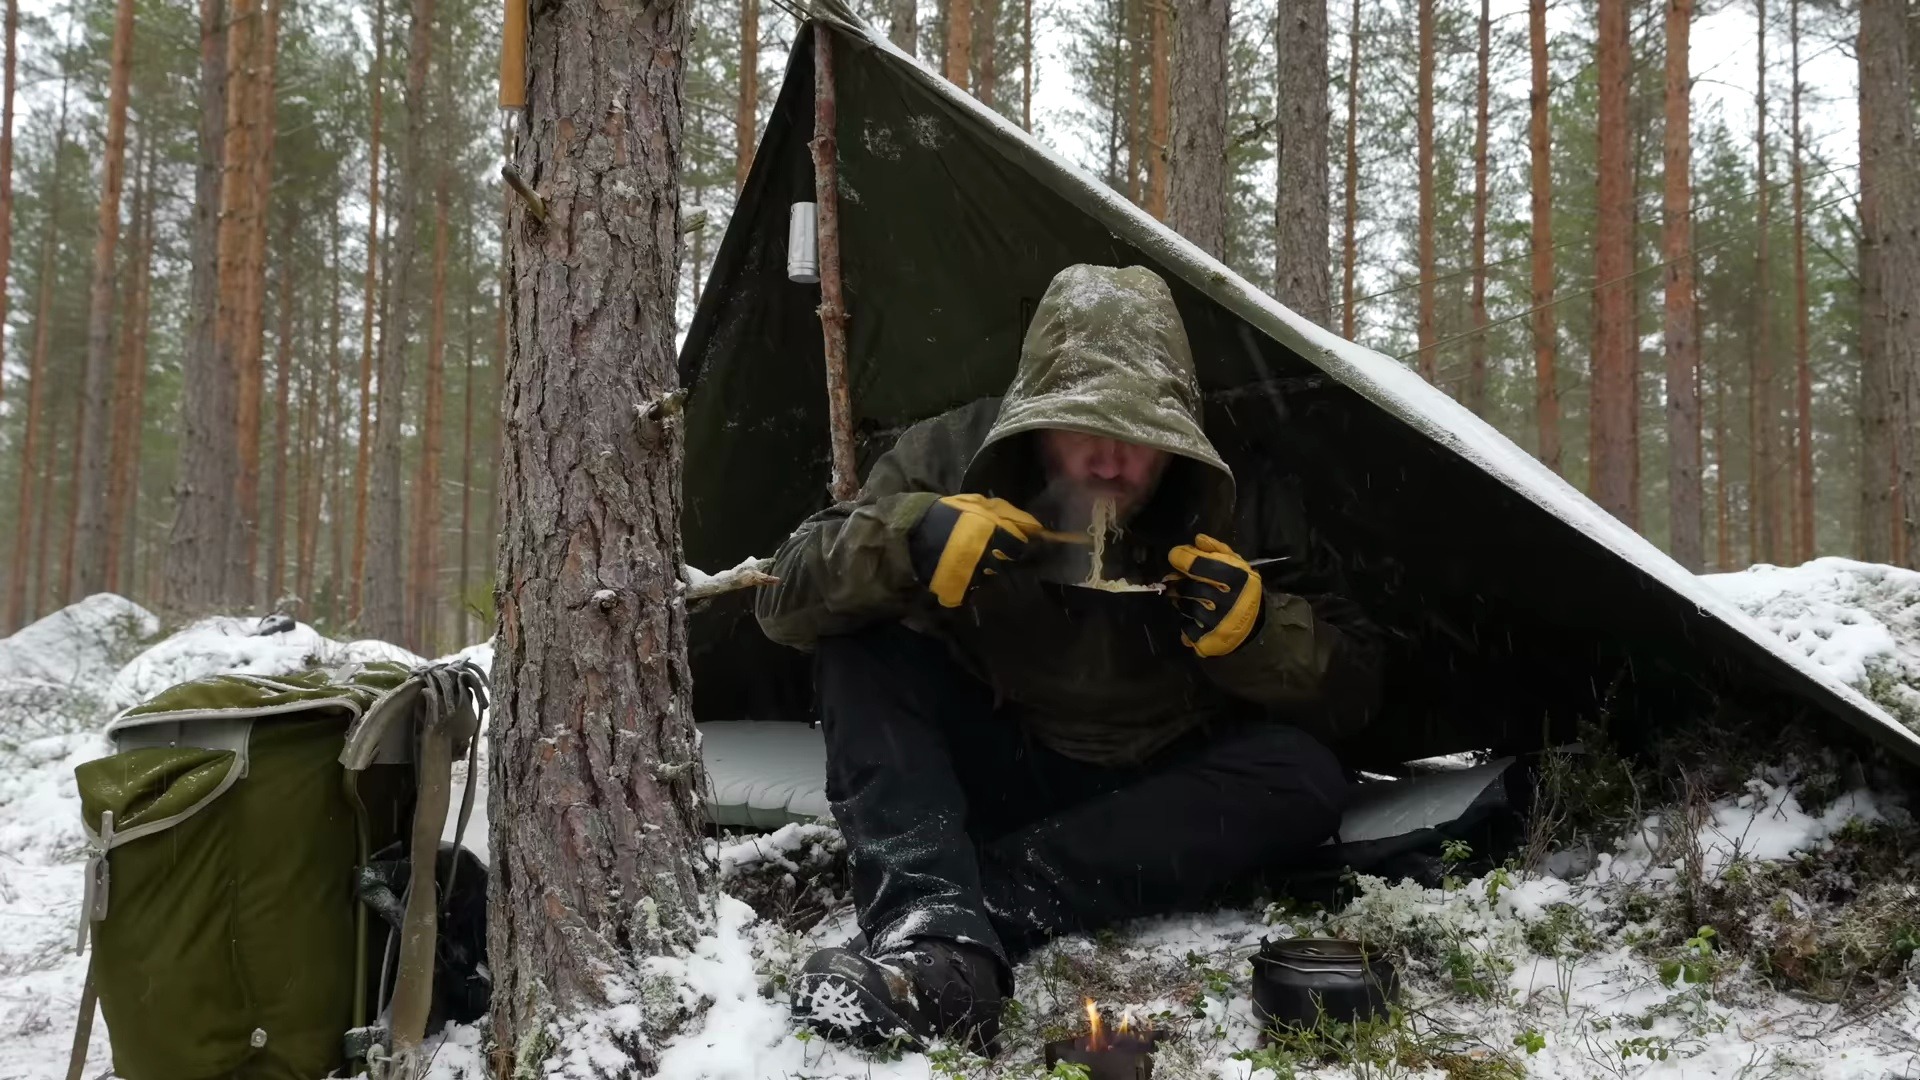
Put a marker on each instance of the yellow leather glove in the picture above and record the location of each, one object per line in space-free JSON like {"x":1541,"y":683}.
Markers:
{"x":962,"y":537}
{"x":1217,"y":593}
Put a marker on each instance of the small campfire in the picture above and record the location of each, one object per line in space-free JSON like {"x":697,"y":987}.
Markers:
{"x":1117,"y":1053}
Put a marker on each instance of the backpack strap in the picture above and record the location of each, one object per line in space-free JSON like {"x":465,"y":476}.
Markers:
{"x":83,"y":1029}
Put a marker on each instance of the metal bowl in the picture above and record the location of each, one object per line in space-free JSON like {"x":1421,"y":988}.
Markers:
{"x":1299,"y":981}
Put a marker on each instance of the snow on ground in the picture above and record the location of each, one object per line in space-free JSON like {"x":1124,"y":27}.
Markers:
{"x":1602,"y":1010}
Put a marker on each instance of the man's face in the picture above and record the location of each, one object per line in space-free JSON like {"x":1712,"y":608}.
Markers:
{"x":1082,"y":468}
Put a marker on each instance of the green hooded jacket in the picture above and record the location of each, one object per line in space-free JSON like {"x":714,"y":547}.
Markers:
{"x":1101,"y":677}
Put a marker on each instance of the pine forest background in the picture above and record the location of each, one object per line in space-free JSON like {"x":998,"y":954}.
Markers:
{"x":360,"y":428}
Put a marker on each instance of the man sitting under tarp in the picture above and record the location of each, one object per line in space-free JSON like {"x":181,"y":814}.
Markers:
{"x":1012,"y":753}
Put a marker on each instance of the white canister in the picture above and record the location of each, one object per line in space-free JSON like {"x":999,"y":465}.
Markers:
{"x":803,"y":245}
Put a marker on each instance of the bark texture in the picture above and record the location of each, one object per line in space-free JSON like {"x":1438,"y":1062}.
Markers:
{"x":1546,"y":391}
{"x":22,"y":603}
{"x":91,"y":483}
{"x":383,"y":614}
{"x":1477,"y":303}
{"x":1349,"y":236}
{"x":196,"y":562}
{"x":1610,"y":433}
{"x":424,"y":571}
{"x":1423,"y":163}
{"x":1763,"y":512}
{"x":9,"y":78}
{"x":282,"y":402}
{"x":1682,"y":335}
{"x":1893,"y":238}
{"x":1158,"y":110}
{"x":363,"y":443}
{"x":594,"y":808}
{"x":1197,"y":193}
{"x":1803,"y":510}
{"x":129,"y":386}
{"x":986,"y":73}
{"x":1300,"y":202}
{"x":959,"y":61}
{"x":747,"y":107}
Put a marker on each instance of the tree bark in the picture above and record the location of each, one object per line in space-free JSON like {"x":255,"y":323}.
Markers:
{"x":466,"y":436}
{"x":6,"y":166}
{"x":1300,"y":202}
{"x":1610,"y":441}
{"x":1763,"y":533}
{"x":1349,"y":239}
{"x":1026,"y":65}
{"x":596,"y":823}
{"x":986,"y":17}
{"x":1128,"y":53}
{"x":959,"y":61}
{"x":1197,"y":194}
{"x":423,"y":631}
{"x":363,"y":444}
{"x":137,"y":393}
{"x":747,"y":108}
{"x":384,"y":588}
{"x":1546,"y":393}
{"x":195,"y":576}
{"x":1803,"y":517}
{"x":1722,"y":516}
{"x":330,"y":454}
{"x":1682,"y":330}
{"x":1158,"y":108}
{"x":237,"y":214}
{"x":21,"y":607}
{"x":282,"y":401}
{"x":1477,"y":344}
{"x":250,"y":321}
{"x":903,"y":24}
{"x":91,"y":483}
{"x":1890,"y":160}
{"x":1423,"y":154}
{"x":129,"y":381}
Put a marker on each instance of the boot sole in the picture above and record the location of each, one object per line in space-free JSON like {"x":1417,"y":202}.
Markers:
{"x":842,"y":1009}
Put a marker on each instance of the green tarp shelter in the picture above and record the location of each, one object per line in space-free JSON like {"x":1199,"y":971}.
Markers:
{"x":1513,"y":604}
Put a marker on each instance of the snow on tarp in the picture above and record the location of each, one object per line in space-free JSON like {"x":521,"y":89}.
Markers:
{"x":1383,"y":381}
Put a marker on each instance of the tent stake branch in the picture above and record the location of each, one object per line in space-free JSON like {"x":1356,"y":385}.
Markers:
{"x":750,"y":574}
{"x":833,"y":311}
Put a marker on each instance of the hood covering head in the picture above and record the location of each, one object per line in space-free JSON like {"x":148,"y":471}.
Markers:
{"x":1106,"y":354}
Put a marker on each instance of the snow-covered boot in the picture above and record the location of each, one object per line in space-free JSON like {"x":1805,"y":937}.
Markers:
{"x":931,"y":988}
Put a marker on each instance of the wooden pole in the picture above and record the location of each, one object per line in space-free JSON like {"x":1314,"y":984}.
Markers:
{"x":513,"y":56}
{"x":833,"y":310}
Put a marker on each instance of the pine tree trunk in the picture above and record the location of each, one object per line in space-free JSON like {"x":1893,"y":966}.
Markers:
{"x":384,"y":615}
{"x":1301,"y":259}
{"x":1803,"y":539}
{"x":363,"y":443}
{"x":306,"y":510}
{"x":1546,"y":393}
{"x":1477,"y":344}
{"x":21,"y":606}
{"x":282,"y":401}
{"x":423,"y":631}
{"x":747,"y":108}
{"x":1722,"y":517}
{"x":959,"y":61}
{"x":1893,"y":239}
{"x":129,"y":383}
{"x":330,"y":471}
{"x":42,"y":556}
{"x":986,"y":19}
{"x":1423,"y":154}
{"x":464,"y":632}
{"x":250,"y":323}
{"x":1349,"y":237}
{"x":6,"y":167}
{"x":91,"y":484}
{"x":137,"y":393}
{"x":596,"y":823}
{"x":903,"y":24}
{"x":1128,"y":53}
{"x":1763,"y":535}
{"x":236,"y":235}
{"x":1610,"y":432}
{"x":1158,"y":109}
{"x":195,"y":574}
{"x":63,"y":592}
{"x":1026,"y":65}
{"x":1197,"y":194}
{"x":1682,"y":329}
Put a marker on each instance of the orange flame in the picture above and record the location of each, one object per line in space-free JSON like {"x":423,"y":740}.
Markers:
{"x":1096,"y":1032}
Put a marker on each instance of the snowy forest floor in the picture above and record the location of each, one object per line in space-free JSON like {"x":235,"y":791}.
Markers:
{"x":1747,"y":906}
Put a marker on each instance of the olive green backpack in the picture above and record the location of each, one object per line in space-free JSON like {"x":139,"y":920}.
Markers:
{"x":231,"y":834}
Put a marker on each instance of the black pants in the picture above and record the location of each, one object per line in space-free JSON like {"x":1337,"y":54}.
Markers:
{"x":959,"y":826}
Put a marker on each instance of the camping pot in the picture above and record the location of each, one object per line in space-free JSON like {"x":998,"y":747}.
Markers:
{"x":1297,"y":980}
{"x":803,"y":245}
